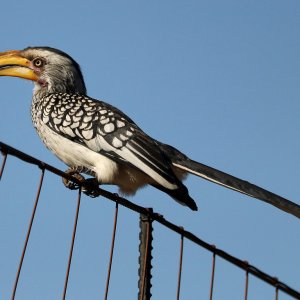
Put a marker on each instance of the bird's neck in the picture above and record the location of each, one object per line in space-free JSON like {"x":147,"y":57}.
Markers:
{"x":52,"y":85}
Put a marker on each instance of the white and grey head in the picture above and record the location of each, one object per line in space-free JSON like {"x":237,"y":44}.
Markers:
{"x":51,"y":70}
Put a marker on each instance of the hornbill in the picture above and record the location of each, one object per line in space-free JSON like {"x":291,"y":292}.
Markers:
{"x":95,"y":138}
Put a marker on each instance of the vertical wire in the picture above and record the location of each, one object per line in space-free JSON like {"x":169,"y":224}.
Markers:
{"x":276,"y":293}
{"x":28,"y":234}
{"x":246,"y":285}
{"x":3,"y":164}
{"x":212,"y":276}
{"x":180,"y":267}
{"x":72,"y":244}
{"x":111,"y":250}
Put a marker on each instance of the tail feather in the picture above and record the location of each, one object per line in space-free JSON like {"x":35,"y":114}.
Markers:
{"x":182,"y":162}
{"x":238,"y":185}
{"x":181,"y":195}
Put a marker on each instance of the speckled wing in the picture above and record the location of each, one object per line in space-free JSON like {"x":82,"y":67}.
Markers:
{"x":104,"y":129}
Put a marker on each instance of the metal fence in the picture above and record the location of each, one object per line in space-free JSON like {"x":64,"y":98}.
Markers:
{"x":147,"y":217}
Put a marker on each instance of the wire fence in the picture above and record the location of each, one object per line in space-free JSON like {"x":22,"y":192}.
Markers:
{"x":147,"y":217}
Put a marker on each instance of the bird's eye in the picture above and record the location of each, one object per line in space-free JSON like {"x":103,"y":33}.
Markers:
{"x":38,"y":62}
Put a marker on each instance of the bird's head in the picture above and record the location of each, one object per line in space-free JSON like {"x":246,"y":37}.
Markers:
{"x":51,"y":70}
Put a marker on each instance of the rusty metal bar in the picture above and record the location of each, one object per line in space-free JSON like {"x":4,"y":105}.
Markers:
{"x":28,"y":234}
{"x":212,"y":280}
{"x":160,"y":219}
{"x":180,"y":267}
{"x":286,"y":205}
{"x":111,"y":251}
{"x":145,"y":249}
{"x":3,"y":163}
{"x":32,"y":160}
{"x":72,"y":245}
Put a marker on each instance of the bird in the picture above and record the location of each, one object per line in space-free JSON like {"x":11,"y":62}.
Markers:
{"x":95,"y":138}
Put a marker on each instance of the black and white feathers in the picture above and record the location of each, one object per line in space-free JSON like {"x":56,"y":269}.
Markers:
{"x":92,"y":134}
{"x":96,"y":137}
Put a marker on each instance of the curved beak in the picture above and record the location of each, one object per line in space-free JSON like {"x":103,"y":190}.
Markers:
{"x":13,"y":64}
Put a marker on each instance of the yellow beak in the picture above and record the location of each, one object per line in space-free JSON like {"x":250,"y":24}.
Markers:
{"x":13,"y":64}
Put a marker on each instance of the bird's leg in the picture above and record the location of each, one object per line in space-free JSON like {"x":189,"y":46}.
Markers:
{"x":89,"y":186}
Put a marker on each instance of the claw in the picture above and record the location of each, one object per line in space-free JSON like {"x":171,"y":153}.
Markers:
{"x":89,"y":186}
{"x":70,"y":184}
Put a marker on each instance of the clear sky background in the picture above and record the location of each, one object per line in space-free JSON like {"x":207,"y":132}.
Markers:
{"x":217,"y":79}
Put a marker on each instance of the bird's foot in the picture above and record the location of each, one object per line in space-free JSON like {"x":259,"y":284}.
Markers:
{"x":89,"y":186}
{"x":69,"y":183}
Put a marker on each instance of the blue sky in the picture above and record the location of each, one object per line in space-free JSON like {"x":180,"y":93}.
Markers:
{"x":217,"y":79}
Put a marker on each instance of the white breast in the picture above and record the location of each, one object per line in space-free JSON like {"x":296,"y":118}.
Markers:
{"x":108,"y":171}
{"x":76,"y":155}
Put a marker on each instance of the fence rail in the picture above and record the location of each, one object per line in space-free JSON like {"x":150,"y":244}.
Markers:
{"x":148,"y":213}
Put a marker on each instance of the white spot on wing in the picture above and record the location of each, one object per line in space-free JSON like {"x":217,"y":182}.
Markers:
{"x":117,"y":143}
{"x":104,"y":121}
{"x":68,"y":131}
{"x":56,"y":121}
{"x":76,"y":119}
{"x":120,"y":124}
{"x":87,"y":134}
{"x":110,"y":127}
{"x":123,"y":137}
{"x":74,"y":125}
{"x":45,"y":119}
{"x":87,"y":119}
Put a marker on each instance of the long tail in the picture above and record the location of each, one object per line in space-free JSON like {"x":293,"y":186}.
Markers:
{"x":182,"y":162}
